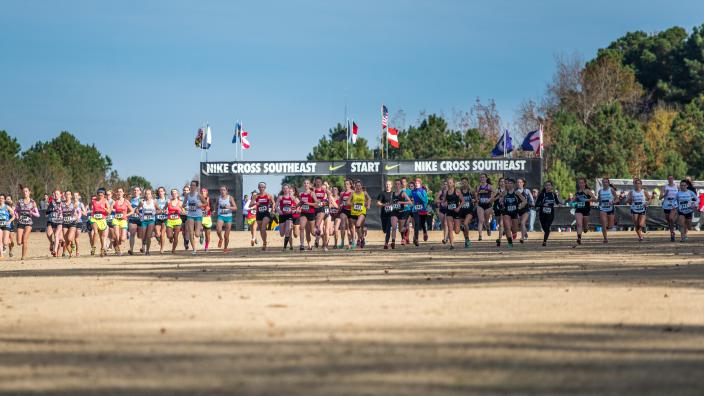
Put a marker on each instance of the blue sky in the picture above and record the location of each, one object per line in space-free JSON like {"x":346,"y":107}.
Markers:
{"x":137,"y":78}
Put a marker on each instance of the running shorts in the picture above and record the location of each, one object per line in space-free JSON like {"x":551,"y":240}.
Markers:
{"x":207,"y":222}
{"x":171,"y":223}
{"x":119,"y":223}
{"x":225,"y":219}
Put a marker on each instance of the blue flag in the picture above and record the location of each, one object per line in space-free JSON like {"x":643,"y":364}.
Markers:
{"x":499,"y":150}
{"x":238,"y":131}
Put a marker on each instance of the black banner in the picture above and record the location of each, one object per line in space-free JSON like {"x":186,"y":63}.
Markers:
{"x":326,"y":168}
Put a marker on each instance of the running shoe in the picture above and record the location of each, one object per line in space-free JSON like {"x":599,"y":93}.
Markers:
{"x":452,"y":247}
{"x":386,"y":246}
{"x":545,"y":243}
{"x":415,"y":242}
{"x":579,"y":240}
{"x":362,"y":243}
{"x":193,"y":252}
{"x":302,"y":248}
{"x":510,"y":244}
{"x":92,"y":251}
{"x":425,"y":236}
{"x":672,"y":237}
{"x":488,"y":231}
{"x":466,"y":243}
{"x":393,"y":244}
{"x":480,"y":239}
{"x":252,"y":242}
{"x":521,"y":240}
{"x":206,"y":246}
{"x":498,"y":242}
{"x":202,"y":237}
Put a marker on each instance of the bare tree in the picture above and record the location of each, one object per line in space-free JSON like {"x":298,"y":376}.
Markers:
{"x":485,"y":117}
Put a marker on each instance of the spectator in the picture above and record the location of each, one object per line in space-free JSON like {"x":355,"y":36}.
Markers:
{"x":654,"y":198}
{"x":570,"y":200}
{"x":622,"y":198}
{"x":44,"y":203}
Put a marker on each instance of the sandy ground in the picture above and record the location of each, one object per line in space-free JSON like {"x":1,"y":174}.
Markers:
{"x":622,"y":318}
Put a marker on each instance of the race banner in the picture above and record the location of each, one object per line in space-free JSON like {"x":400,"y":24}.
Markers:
{"x":407,"y":167}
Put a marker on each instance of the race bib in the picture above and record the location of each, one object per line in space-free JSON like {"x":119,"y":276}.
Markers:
{"x":547,"y":210}
{"x":192,"y":207}
{"x":262,"y":209}
{"x":119,"y":216}
{"x":98,"y":216}
{"x":451,"y":206}
{"x":580,"y":204}
{"x":605,"y":204}
{"x":511,"y":208}
{"x":419,"y":207}
{"x":397,"y":206}
{"x":68,"y":219}
{"x":174,"y":216}
{"x":225,"y":211}
{"x":305,"y":207}
{"x":3,"y":223}
{"x":25,"y":219}
{"x":161,"y":217}
{"x":388,"y":208}
{"x":148,"y":217}
{"x":484,"y":200}
{"x":465,"y":205}
{"x":286,"y":209}
{"x":357,"y":207}
{"x":326,"y":210}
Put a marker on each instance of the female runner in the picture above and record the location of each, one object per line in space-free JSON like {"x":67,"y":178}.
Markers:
{"x":335,"y":216}
{"x":607,"y":213}
{"x":99,"y":209}
{"x":285,"y":206}
{"x":346,"y":225}
{"x":442,"y":209}
{"x":25,"y":210}
{"x":307,"y":206}
{"x":7,"y":216}
{"x":686,"y":202}
{"x":69,"y":223}
{"x":123,"y":210}
{"x":54,"y":225}
{"x":497,"y":207}
{"x":467,"y":209}
{"x":406,"y":218}
{"x":484,"y":194}
{"x":638,"y":199}
{"x":453,"y":202}
{"x":327,"y":203}
{"x":385,"y":203}
{"x":147,"y":208}
{"x":399,"y":200}
{"x":226,"y":208}
{"x":264,"y":202}
{"x":81,"y":212}
{"x":583,"y":204}
{"x":524,"y":214}
{"x":162,"y":214}
{"x":419,"y":196}
{"x":361,"y":201}
{"x":321,"y":211}
{"x":12,"y":225}
{"x":134,"y":226}
{"x":296,"y":215}
{"x":207,"y":219}
{"x":668,"y":195}
{"x":110,"y":218}
{"x":174,"y":222}
{"x":545,"y":203}
{"x":512,"y":203}
{"x":195,"y":205}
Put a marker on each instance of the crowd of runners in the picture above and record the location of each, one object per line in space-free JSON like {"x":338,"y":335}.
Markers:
{"x":318,"y":215}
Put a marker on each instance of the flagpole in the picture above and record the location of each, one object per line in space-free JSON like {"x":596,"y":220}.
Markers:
{"x":347,"y":141}
{"x":241,"y":147}
{"x":381,"y":137}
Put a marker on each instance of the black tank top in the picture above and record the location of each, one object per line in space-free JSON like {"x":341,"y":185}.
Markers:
{"x":468,"y":201}
{"x":452,"y":200}
{"x":510,"y":202}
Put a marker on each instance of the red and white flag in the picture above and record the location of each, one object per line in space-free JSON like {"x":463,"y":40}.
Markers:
{"x":243,"y":139}
{"x":392,"y":136}
{"x":355,"y":131}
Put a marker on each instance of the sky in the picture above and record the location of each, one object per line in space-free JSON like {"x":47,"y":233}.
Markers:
{"x":137,"y":78}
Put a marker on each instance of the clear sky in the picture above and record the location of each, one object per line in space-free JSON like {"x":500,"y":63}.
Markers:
{"x":137,"y":78}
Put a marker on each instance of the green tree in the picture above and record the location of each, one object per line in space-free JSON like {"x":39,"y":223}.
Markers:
{"x":562,"y":178}
{"x":138,"y":181}
{"x":12,"y":168}
{"x":688,"y":133}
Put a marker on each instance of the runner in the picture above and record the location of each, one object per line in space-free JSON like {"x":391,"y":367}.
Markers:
{"x":686,"y":202}
{"x":25,"y":210}
{"x":453,"y":202}
{"x":250,"y":207}
{"x":147,"y":210}
{"x":174,"y":222}
{"x":99,"y":212}
{"x":467,"y":210}
{"x":346,"y":224}
{"x":583,"y":205}
{"x":81,"y":211}
{"x":607,"y":213}
{"x":335,"y":216}
{"x":226,"y":208}
{"x":545,"y":204}
{"x":110,"y":218}
{"x":134,"y":224}
{"x":442,"y":210}
{"x":668,"y":195}
{"x":296,"y":216}
{"x":407,"y":218}
{"x":638,"y":199}
{"x":54,"y":222}
{"x":70,"y":217}
{"x":285,"y":207}
{"x":497,"y":207}
{"x":207,"y":219}
{"x":184,"y":216}
{"x":264,"y":202}
{"x":307,"y":205}
{"x":512,"y":203}
{"x":385,"y":202}
{"x":419,"y":196}
{"x":361,"y":201}
{"x":7,"y":216}
{"x":162,"y":214}
{"x":524,"y":214}
{"x":195,"y":205}
{"x":123,"y":210}
{"x":484,"y":194}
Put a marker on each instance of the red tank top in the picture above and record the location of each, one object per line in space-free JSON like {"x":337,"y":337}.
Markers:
{"x":320,"y":194}
{"x":120,"y":208}
{"x":345,"y":197}
{"x":286,"y":205}
{"x":307,"y":200}
{"x":173,"y":211}
{"x":263,"y":203}
{"x":100,"y":207}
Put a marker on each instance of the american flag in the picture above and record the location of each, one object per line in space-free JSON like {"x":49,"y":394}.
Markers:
{"x":384,"y":117}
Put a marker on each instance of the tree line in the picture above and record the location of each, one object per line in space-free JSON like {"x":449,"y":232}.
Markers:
{"x":63,"y":162}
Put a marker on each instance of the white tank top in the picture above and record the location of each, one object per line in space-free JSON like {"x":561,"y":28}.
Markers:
{"x":638,"y":204}
{"x":670,"y":197}
{"x":224,"y":208}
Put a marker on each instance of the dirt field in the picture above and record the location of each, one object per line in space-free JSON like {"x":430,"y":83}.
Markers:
{"x":625,"y":318}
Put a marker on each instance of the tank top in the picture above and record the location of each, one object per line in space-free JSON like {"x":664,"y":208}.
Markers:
{"x":606,"y":200}
{"x":467,"y":195}
{"x":511,"y":202}
{"x":549,"y":199}
{"x":581,"y":200}
{"x":193,"y":206}
{"x":453,"y":199}
{"x":224,"y":206}
{"x":669,"y":197}
{"x":345,"y":197}
{"x":286,"y":205}
{"x":120,"y":209}
{"x":148,"y":210}
{"x":484,"y":193}
{"x":100,"y":209}
{"x":53,"y":212}
{"x":685,"y":199}
{"x":67,"y":212}
{"x":335,"y":211}
{"x":389,"y":200}
{"x":24,"y":211}
{"x":134,"y":201}
{"x":321,"y":195}
{"x":4,"y":215}
{"x":307,"y":203}
{"x":263,"y":203}
{"x":174,"y":211}
{"x":161,"y":208}
{"x":359,"y":206}
{"x":638,"y":201}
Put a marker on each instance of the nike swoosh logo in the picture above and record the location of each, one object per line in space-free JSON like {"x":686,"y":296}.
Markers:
{"x":334,"y":168}
{"x":389,"y":167}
